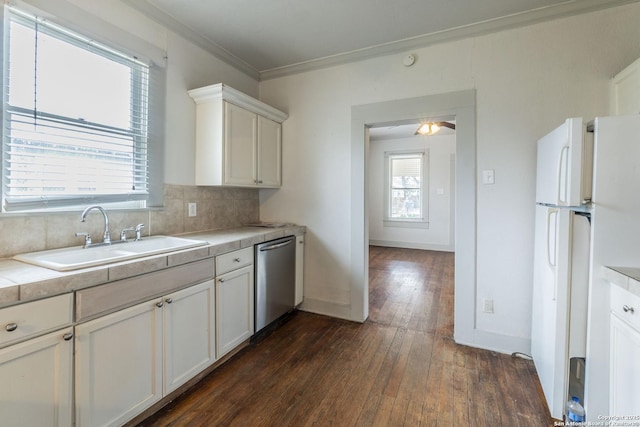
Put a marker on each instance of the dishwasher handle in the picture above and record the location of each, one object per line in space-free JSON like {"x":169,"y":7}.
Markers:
{"x":276,"y":246}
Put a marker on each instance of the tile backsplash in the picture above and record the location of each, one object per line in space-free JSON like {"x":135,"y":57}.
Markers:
{"x":217,"y":208}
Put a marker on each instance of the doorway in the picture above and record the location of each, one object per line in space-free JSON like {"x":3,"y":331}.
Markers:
{"x":412,"y":186}
{"x":460,"y":105}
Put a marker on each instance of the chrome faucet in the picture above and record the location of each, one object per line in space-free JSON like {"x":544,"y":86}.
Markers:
{"x":106,"y":238}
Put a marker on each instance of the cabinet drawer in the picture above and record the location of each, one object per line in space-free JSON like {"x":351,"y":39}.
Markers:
{"x":28,"y":320}
{"x":626,"y":305}
{"x":234,"y":260}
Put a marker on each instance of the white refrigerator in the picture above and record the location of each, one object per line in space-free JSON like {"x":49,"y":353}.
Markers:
{"x":561,"y":257}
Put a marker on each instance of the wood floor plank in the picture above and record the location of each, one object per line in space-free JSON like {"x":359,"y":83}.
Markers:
{"x":401,"y":367}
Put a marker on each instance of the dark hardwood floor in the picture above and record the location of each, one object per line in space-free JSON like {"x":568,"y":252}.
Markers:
{"x":400,"y":368}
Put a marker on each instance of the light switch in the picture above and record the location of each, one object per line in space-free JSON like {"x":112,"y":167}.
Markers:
{"x":488,"y":176}
{"x":440,"y":191}
{"x":487,"y":305}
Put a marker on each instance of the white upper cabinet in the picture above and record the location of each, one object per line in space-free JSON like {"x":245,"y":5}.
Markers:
{"x":625,"y":91}
{"x":238,"y":139}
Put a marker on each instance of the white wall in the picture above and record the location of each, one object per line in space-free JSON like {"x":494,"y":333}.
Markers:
{"x":527,"y":81}
{"x":439,"y":234}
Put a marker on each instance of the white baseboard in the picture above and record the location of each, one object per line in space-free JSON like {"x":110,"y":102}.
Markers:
{"x":412,"y":245}
{"x":495,"y":342}
{"x":327,"y":308}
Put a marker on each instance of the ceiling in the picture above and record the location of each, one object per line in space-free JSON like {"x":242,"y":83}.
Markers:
{"x":403,"y":130}
{"x":270,"y":38}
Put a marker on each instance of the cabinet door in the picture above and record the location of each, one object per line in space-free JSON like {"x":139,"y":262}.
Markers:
{"x":119,"y":365}
{"x":624,"y":393}
{"x":269,"y":153}
{"x":36,"y":381}
{"x":240,"y":138}
{"x":189,"y":333}
{"x":299,"y":270}
{"x":234,"y":309}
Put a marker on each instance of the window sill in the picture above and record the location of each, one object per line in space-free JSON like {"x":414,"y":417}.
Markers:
{"x":405,"y":224}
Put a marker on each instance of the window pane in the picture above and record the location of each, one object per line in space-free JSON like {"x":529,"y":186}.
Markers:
{"x":405,"y":172}
{"x":76,"y":119}
{"x":46,"y":163}
{"x":22,"y":66}
{"x":71,"y":81}
{"x":405,"y":204}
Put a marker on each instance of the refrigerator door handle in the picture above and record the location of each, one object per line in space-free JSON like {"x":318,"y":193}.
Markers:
{"x":563,"y":171}
{"x":552,"y":246}
{"x":551,"y":254}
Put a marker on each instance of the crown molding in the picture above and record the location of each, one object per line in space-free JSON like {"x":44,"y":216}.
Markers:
{"x":220,"y":91}
{"x":219,"y":52}
{"x":547,"y":13}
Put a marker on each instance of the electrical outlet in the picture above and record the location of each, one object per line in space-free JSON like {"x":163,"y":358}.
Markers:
{"x":193,"y":209}
{"x":487,"y":305}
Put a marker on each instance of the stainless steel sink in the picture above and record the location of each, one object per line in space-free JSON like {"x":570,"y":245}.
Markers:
{"x":74,"y":258}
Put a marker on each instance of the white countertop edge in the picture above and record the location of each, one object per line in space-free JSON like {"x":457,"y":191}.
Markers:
{"x":627,"y":278}
{"x":19,"y":279}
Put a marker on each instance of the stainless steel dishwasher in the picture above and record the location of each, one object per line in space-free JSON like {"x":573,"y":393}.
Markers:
{"x":275,"y":280}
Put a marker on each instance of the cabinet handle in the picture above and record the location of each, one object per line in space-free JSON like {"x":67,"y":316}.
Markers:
{"x":11,"y":327}
{"x":628,"y":309}
{"x":220,"y":280}
{"x":260,"y":181}
{"x":159,"y":304}
{"x":168,"y":300}
{"x":68,"y":336}
{"x":236,"y":260}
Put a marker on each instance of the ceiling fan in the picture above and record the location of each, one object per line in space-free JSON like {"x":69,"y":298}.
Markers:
{"x":430,"y":128}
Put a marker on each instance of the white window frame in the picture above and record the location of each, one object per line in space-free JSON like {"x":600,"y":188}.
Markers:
{"x":151,"y":195}
{"x":423,"y":221}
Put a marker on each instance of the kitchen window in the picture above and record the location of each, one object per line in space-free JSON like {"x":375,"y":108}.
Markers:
{"x":76,"y":117}
{"x":405,"y":189}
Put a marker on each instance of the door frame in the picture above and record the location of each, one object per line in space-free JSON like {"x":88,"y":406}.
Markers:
{"x":462,"y":105}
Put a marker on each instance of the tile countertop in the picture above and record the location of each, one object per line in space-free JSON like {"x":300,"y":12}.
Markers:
{"x":20,"y":282}
{"x":627,"y":278}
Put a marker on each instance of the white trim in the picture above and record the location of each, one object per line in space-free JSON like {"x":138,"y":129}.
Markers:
{"x":74,"y":18}
{"x":405,"y":223}
{"x":496,"y":342}
{"x":546,"y":13}
{"x":326,"y":308}
{"x":222,"y":91}
{"x":411,"y":245}
{"x":462,"y":106}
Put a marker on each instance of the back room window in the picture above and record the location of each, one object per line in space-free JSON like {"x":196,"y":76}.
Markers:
{"x":75,"y":119}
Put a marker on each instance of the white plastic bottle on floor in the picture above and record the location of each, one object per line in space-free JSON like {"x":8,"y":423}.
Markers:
{"x":575,"y":411}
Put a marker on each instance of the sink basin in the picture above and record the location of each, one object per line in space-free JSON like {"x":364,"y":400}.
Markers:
{"x":67,"y":259}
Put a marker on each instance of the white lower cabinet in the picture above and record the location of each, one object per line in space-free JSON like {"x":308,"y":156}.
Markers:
{"x":118,"y":365}
{"x":36,"y":388}
{"x":189,"y":334}
{"x":234,"y":309}
{"x":624,"y":388}
{"x":128,"y":360}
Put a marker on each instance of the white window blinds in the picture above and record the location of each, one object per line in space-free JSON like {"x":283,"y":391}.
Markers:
{"x":75,"y":119}
{"x":405,"y":187}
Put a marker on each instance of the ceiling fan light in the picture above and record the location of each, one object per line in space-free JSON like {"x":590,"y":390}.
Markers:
{"x":428,"y":128}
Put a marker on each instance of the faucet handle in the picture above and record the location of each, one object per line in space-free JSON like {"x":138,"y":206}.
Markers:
{"x":123,"y":233}
{"x":87,"y":238}
{"x":138,"y":231}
